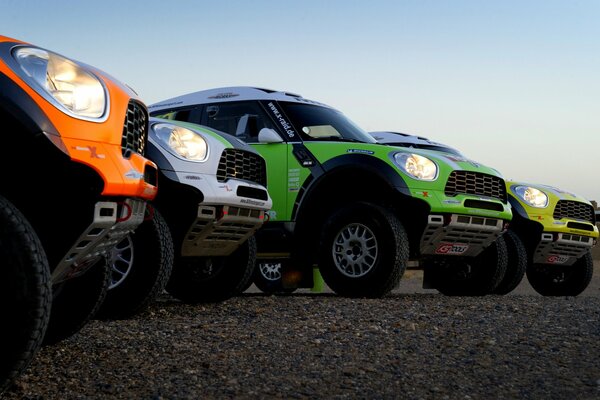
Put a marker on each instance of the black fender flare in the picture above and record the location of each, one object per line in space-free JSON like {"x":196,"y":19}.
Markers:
{"x":17,"y":102}
{"x":337,"y":164}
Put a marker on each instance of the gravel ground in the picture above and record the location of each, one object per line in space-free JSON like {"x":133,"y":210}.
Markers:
{"x":414,"y":344}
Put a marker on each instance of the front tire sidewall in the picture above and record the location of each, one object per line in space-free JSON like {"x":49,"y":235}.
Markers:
{"x":390,"y":261}
{"x":516,"y":264}
{"x":152,"y":253}
{"x":25,"y":293}
{"x":76,"y":301}
{"x":487,"y":271}
{"x":230,"y":277}
{"x":577,"y":277}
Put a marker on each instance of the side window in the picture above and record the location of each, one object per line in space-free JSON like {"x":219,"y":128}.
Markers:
{"x":184,"y":114}
{"x":241,"y":119}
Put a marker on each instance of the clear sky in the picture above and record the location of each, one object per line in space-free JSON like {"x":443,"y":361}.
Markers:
{"x":512,"y":84}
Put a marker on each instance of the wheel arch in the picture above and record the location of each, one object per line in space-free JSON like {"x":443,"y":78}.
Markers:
{"x":378,"y":183}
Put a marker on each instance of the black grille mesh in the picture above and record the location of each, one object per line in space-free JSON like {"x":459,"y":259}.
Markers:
{"x":475,"y":183}
{"x":135,"y":130}
{"x":575,"y":210}
{"x":240,"y":164}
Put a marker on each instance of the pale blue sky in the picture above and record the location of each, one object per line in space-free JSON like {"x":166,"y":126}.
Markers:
{"x":513,"y":84}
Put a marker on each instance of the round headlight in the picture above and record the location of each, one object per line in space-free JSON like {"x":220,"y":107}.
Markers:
{"x":532,"y":196}
{"x":69,"y":85}
{"x":182,"y":142}
{"x":417,"y":166}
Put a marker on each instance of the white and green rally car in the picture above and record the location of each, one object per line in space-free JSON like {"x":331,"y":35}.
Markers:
{"x":356,"y":209}
{"x":212,"y":199}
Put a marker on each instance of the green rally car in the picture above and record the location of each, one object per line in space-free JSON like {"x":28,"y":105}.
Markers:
{"x":558,"y":230}
{"x":549,"y":238}
{"x":356,"y":209}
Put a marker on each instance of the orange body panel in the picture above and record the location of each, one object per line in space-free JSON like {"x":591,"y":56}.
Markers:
{"x":97,"y":144}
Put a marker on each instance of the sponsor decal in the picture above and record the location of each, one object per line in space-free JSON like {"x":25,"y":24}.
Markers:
{"x":287,"y":127}
{"x":166,"y":104}
{"x":92,"y":149}
{"x":557,"y":259}
{"x":226,"y":187}
{"x":361,"y":151}
{"x":193,"y":177}
{"x":133,"y":174}
{"x":559,"y":223}
{"x":227,"y":95}
{"x":293,"y":180}
{"x":456,"y":158}
{"x":272,"y":214}
{"x":452,"y":248}
{"x":451,"y":201}
{"x":252,"y":202}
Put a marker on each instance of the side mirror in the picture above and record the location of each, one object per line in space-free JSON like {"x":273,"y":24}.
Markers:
{"x":268,"y":135}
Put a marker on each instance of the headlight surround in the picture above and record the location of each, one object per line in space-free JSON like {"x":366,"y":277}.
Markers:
{"x":417,"y":166}
{"x":182,"y":142}
{"x":67,"y":85}
{"x":532,"y":196}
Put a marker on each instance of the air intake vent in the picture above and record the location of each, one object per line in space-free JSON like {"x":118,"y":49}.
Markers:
{"x":477,"y":184}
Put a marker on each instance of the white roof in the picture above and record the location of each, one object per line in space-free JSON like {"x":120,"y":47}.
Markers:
{"x":232,"y":93}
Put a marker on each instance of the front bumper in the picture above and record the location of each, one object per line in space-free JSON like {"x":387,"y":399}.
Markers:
{"x":459,"y":235}
{"x":229,"y":214}
{"x":233,"y":192}
{"x":219,"y":230}
{"x":111,"y":223}
{"x":559,"y":248}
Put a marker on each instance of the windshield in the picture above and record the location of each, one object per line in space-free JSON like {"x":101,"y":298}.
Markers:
{"x":322,"y":123}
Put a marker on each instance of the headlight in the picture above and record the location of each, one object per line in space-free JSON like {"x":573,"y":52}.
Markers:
{"x":417,"y":166}
{"x":532,"y":196}
{"x":183,"y":142}
{"x":68,"y":85}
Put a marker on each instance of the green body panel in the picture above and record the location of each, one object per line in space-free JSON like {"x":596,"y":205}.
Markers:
{"x":544,"y":216}
{"x":276,"y":158}
{"x":286,"y":175}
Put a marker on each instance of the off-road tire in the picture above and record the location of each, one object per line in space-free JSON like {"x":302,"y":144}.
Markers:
{"x":516,"y":265}
{"x":192,"y":283}
{"x":76,"y":301}
{"x":554,"y":280}
{"x":487,"y":271}
{"x":25,"y":293}
{"x":152,"y":255}
{"x":267,"y":285}
{"x":384,"y":269}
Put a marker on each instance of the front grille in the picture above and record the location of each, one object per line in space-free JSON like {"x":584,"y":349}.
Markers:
{"x":575,"y":210}
{"x":240,"y":164}
{"x":135,"y":130}
{"x":475,"y":183}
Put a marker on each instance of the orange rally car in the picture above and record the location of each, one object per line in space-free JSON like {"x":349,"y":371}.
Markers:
{"x":72,"y":160}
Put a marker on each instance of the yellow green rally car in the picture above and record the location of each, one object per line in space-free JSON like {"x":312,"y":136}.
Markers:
{"x":558,"y":230}
{"x":356,"y":209}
